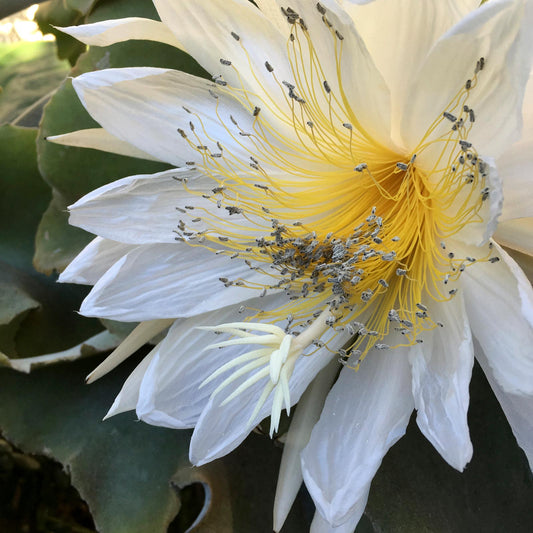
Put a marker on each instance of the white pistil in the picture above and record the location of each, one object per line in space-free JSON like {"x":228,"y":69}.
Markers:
{"x":275,"y":359}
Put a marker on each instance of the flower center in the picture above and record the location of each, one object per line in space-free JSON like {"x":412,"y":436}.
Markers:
{"x":354,"y":233}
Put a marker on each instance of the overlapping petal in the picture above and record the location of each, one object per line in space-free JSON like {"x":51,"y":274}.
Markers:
{"x":365,"y":413}
{"x":94,"y":260}
{"x":499,"y":303}
{"x":175,"y":100}
{"x":413,"y":27}
{"x":168,"y":281}
{"x":518,"y":408}
{"x":498,"y":31}
{"x":441,"y":368}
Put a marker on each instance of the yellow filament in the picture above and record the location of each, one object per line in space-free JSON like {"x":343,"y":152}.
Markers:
{"x":315,"y":175}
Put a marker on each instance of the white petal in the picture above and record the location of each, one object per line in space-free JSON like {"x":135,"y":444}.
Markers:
{"x":205,"y":31}
{"x":129,"y":394}
{"x":319,"y":525}
{"x":142,"y":334}
{"x":499,"y":32}
{"x":411,"y":27}
{"x":441,"y":368}
{"x":99,"y":139}
{"x":117,"y":30}
{"x":516,"y":166}
{"x":517,"y":408}
{"x":499,"y":303}
{"x":220,"y":429}
{"x":307,"y":414}
{"x":138,"y":209}
{"x":170,"y":393}
{"x":366,"y":412}
{"x":272,"y":12}
{"x":146,"y":209}
{"x":362,"y":88}
{"x":168,"y":281}
{"x":516,"y":234}
{"x":93,"y":261}
{"x":145,"y":107}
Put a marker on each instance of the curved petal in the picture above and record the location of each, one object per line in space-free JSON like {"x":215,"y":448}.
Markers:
{"x":516,"y":234}
{"x":147,"y":106}
{"x":93,"y":261}
{"x":516,"y":167}
{"x":499,"y":303}
{"x":413,"y":27}
{"x":498,"y":31}
{"x":168,"y":281}
{"x":517,"y":408}
{"x":441,"y":368}
{"x":117,"y":30}
{"x":366,"y":412}
{"x":99,"y":139}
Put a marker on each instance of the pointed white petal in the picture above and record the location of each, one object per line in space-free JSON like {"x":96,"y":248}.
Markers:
{"x":516,"y":166}
{"x":93,"y":261}
{"x":413,"y":27}
{"x":307,"y":414}
{"x":137,"y":209}
{"x":147,"y":209}
{"x":146,"y":106}
{"x":366,"y":412}
{"x":319,"y":525}
{"x":117,"y":30}
{"x":516,"y":234}
{"x":517,"y":408}
{"x":441,"y":368}
{"x":499,"y":32}
{"x":168,"y":281}
{"x":129,"y":394}
{"x":99,"y":139}
{"x":221,"y":428}
{"x":499,"y":303}
{"x":142,"y":334}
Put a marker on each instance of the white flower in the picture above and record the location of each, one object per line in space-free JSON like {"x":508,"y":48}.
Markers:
{"x":336,"y":195}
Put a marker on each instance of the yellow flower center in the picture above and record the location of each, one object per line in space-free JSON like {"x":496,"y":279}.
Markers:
{"x":336,"y":218}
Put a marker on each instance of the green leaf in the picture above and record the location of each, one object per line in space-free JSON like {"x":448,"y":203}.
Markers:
{"x":37,"y":314}
{"x":127,"y":471}
{"x":28,"y":72}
